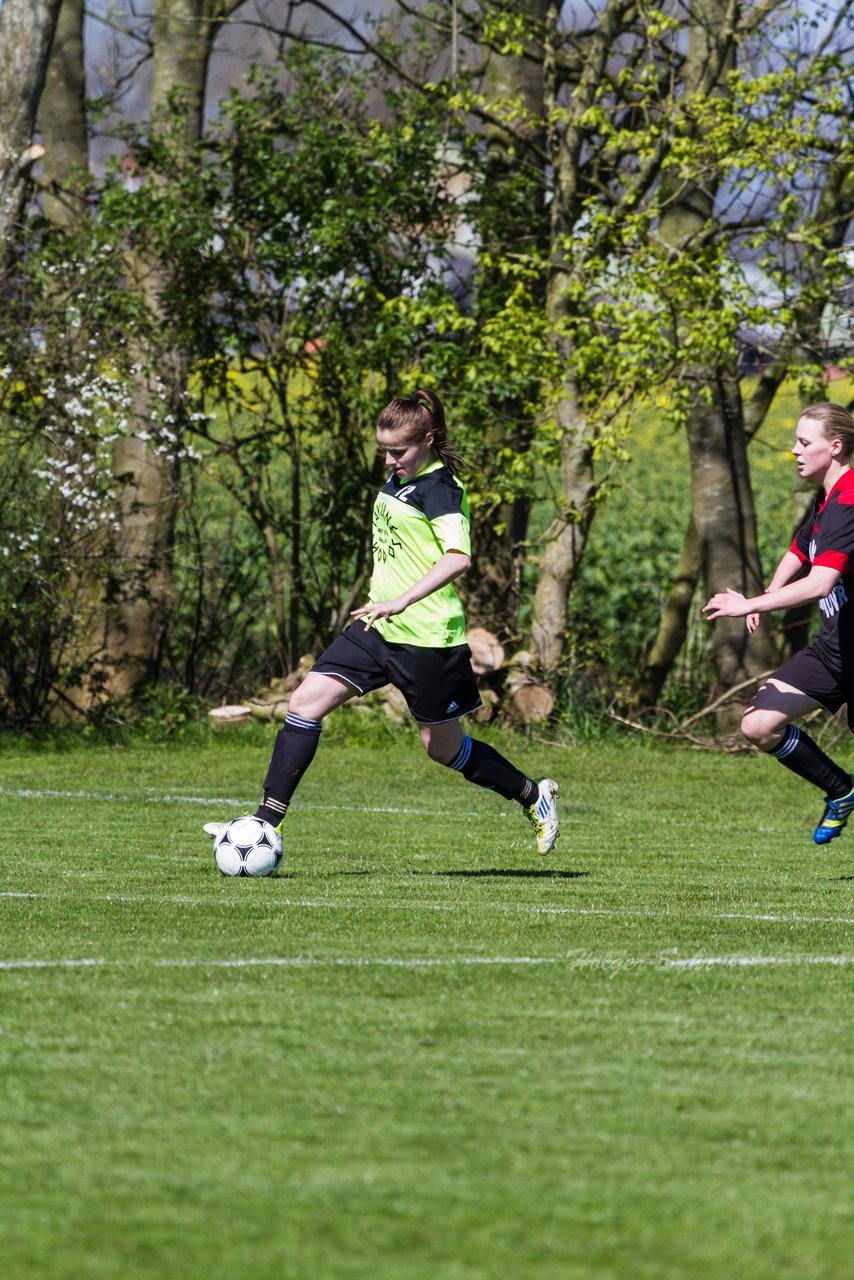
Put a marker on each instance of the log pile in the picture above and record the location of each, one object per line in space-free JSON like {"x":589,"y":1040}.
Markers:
{"x":234,"y":713}
{"x":269,"y":703}
{"x":508,"y":687}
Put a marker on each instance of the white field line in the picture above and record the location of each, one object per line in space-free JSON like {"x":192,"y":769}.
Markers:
{"x":384,"y":904}
{"x":212,"y":802}
{"x":298,"y":962}
{"x":613,"y":965}
{"x":752,"y":962}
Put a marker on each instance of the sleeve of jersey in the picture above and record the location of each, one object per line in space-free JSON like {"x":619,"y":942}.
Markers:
{"x":447,"y":511}
{"x":835,"y":541}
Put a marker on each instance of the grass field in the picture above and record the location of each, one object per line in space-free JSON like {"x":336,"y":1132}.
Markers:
{"x":422,"y":1051}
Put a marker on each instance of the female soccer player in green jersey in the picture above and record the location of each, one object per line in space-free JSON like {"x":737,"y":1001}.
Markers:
{"x":411,"y":633}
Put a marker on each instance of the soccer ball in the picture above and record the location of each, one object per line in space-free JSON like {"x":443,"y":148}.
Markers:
{"x":248,"y":847}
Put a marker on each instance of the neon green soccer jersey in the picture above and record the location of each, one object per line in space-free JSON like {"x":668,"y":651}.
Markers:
{"x":415,"y":522}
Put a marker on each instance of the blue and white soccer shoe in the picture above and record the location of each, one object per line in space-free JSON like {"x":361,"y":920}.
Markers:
{"x":834,"y":818}
{"x":542,"y":814}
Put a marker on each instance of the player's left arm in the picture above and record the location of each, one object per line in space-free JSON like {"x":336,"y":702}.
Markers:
{"x":452,"y":564}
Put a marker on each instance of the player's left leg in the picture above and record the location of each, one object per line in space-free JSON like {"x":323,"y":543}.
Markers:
{"x":838,"y":809}
{"x":481,"y":764}
{"x":767,"y":723}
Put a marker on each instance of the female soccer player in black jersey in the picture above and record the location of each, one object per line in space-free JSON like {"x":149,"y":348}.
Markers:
{"x":819,"y":565}
{"x":411,"y":633}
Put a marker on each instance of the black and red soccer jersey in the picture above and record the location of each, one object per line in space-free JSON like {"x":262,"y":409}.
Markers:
{"x":826,"y":538}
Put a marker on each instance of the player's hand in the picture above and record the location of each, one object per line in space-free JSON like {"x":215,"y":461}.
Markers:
{"x":752,"y":621}
{"x":379,"y":609}
{"x":726,"y":604}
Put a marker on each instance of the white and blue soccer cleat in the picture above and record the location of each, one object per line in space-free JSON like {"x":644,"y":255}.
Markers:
{"x":542,"y":814}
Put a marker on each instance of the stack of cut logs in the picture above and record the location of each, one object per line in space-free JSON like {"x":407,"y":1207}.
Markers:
{"x":507,"y":688}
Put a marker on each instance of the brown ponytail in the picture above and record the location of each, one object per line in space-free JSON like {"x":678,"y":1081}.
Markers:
{"x":418,"y":414}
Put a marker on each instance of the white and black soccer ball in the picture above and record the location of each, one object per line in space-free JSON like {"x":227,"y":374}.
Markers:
{"x":248,"y":847}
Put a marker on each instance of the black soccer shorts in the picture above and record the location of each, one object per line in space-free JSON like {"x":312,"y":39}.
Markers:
{"x":438,"y":684}
{"x":827,"y":682}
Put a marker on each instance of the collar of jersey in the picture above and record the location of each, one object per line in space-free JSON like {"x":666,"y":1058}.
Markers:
{"x":845,"y":481}
{"x":431,"y":466}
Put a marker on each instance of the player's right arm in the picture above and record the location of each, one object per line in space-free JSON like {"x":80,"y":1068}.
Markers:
{"x":449,"y":566}
{"x":818,"y":583}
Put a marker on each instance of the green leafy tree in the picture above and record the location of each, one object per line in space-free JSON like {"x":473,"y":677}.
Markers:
{"x":289,"y":240}
{"x":62,"y":409}
{"x":780,"y":142}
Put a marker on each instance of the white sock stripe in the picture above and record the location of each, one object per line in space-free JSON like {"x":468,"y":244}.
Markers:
{"x":461,"y":759}
{"x":302,"y":722}
{"x":789,"y":743}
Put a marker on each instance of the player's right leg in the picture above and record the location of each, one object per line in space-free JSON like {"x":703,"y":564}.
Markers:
{"x":767,"y":723}
{"x":296,"y":744}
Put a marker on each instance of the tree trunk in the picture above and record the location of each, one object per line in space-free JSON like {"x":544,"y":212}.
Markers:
{"x":800,"y":346}
{"x":565,"y":547}
{"x":62,"y":123}
{"x":673,"y":626}
{"x":723,"y":512}
{"x":26,"y":33}
{"x":62,"y":117}
{"x":184,"y":34}
{"x":725,"y":518}
{"x":566,"y":542}
{"x":510,"y":151}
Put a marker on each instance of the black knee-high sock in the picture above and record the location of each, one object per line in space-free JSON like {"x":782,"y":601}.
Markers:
{"x":804,"y":757}
{"x":293,"y":752}
{"x":483,"y":765}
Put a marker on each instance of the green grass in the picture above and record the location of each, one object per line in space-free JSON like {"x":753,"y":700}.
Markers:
{"x":452,"y":1059}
